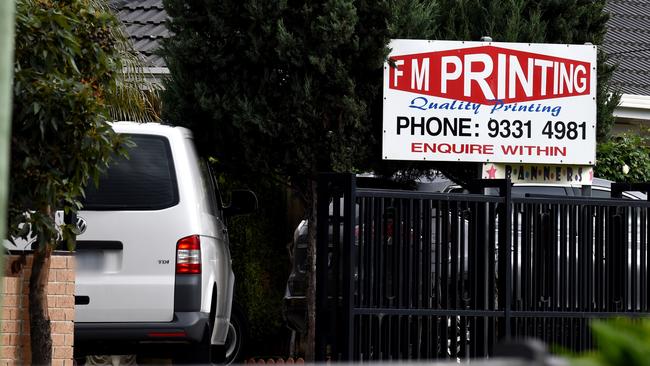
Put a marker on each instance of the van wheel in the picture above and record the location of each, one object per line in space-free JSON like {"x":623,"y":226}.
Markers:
{"x":237,"y":335}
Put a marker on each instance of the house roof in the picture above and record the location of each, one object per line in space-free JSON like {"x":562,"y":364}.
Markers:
{"x":628,"y":44}
{"x":145,"y":24}
{"x":627,"y":40}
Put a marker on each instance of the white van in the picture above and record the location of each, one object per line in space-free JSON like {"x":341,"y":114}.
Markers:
{"x":153,"y":259}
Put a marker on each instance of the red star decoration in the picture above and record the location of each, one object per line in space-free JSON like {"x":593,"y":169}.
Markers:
{"x":491,"y":172}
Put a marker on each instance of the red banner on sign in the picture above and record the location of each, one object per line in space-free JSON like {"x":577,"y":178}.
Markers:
{"x":486,"y":74}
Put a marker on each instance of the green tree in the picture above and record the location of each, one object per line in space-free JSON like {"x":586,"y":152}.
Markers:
{"x":67,"y":61}
{"x":282,"y":89}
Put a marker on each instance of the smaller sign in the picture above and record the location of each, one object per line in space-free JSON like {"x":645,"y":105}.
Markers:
{"x":575,"y":175}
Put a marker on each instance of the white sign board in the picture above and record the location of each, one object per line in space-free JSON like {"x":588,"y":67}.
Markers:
{"x":490,"y":102}
{"x":573,"y":175}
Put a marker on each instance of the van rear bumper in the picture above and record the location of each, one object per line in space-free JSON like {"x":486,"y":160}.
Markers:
{"x":185,"y":327}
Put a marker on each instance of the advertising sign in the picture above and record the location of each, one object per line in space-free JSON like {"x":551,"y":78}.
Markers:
{"x":574,"y":175}
{"x":490,"y":102}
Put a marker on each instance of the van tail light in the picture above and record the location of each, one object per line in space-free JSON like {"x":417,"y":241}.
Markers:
{"x":188,"y":255}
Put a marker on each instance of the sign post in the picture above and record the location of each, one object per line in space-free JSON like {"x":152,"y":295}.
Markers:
{"x":490,"y":102}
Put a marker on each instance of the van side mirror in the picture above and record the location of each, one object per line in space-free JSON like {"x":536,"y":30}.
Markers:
{"x":242,"y":201}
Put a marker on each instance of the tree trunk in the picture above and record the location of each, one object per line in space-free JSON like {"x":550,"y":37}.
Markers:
{"x":39,"y":319}
{"x":310,"y":351}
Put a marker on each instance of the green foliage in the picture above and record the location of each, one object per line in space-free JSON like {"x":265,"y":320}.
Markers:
{"x":631,"y":150}
{"x":277,"y":88}
{"x":540,"y":21}
{"x":607,"y":99}
{"x":258,"y":249}
{"x":65,"y":60}
{"x":619,"y":342}
{"x":550,"y":21}
{"x":413,"y":19}
{"x":258,"y":253}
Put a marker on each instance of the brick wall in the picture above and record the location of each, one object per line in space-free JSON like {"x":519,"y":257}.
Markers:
{"x":14,"y":331}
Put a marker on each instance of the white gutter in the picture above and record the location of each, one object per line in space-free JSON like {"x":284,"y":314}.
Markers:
{"x":156,"y":70}
{"x":635,"y":107}
{"x":153,"y":76}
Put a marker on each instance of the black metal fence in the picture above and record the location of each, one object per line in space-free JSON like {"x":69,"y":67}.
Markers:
{"x":413,"y":275}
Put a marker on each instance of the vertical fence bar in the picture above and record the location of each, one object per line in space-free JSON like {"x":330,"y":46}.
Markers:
{"x":488,"y":293}
{"x":325,"y":182}
{"x":643,"y":254}
{"x":599,"y":239}
{"x":334,"y":278}
{"x":505,"y":237}
{"x":350,"y":216}
{"x":473,"y":271}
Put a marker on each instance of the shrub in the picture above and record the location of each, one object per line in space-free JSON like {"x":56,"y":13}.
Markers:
{"x":624,"y":158}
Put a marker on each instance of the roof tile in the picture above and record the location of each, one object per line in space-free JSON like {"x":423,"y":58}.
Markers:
{"x":628,"y":44}
{"x":145,"y":24}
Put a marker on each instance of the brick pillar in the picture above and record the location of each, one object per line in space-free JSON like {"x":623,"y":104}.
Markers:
{"x":14,"y":331}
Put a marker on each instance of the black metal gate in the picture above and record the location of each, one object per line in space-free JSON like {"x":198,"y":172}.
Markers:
{"x":413,"y":275}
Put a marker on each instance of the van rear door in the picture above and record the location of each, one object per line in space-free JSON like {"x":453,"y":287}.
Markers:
{"x":126,"y":255}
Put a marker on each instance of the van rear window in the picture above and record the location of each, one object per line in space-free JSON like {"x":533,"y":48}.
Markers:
{"x":145,"y":180}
